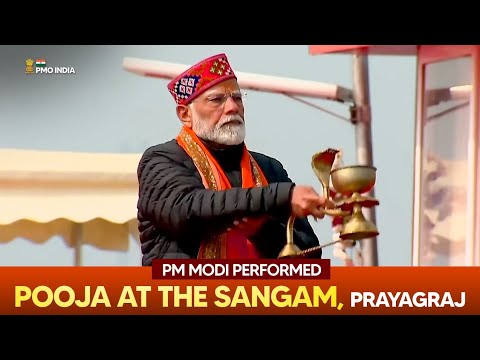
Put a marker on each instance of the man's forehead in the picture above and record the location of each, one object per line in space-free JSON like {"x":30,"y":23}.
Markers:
{"x":225,"y":86}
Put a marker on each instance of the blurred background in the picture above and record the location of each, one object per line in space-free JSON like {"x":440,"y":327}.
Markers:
{"x":103,"y":109}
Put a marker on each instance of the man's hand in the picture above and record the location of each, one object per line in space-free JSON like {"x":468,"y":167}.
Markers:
{"x":306,"y":201}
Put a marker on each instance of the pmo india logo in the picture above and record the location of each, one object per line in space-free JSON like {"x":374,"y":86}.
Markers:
{"x":42,"y":68}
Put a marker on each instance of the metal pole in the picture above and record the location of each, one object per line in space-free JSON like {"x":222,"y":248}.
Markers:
{"x":363,"y":137}
{"x":257,"y":82}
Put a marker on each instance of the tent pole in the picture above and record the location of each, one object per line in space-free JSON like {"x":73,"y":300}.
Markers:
{"x":77,"y":243}
{"x":363,"y":138}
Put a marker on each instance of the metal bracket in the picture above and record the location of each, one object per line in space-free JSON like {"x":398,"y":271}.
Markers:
{"x":353,"y":114}
{"x":360,"y":113}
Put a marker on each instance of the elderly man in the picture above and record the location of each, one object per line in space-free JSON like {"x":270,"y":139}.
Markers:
{"x":204,"y":194}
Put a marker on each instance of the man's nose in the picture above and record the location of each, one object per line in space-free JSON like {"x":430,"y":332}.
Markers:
{"x":230,"y":105}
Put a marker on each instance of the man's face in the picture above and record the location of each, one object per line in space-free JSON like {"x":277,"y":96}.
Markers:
{"x":218,"y":114}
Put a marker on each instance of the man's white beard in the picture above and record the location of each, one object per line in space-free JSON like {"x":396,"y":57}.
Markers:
{"x":222,"y":132}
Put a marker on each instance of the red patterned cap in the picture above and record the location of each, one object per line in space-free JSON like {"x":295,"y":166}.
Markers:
{"x":199,"y":78}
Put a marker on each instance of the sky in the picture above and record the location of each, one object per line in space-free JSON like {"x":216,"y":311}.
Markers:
{"x":103,"y":108}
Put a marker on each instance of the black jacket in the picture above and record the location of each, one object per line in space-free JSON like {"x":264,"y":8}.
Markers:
{"x":175,"y":211}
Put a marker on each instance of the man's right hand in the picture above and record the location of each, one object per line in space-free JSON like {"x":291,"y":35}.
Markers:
{"x":306,"y":201}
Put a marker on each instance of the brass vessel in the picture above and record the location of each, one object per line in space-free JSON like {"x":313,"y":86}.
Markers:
{"x":351,"y":183}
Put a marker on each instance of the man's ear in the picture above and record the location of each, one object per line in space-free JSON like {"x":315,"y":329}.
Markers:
{"x":184,"y":115}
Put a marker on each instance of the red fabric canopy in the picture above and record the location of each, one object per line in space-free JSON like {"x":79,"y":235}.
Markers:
{"x":372,"y":49}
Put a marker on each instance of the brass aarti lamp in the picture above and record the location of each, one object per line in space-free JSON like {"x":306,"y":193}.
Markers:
{"x":351,"y":183}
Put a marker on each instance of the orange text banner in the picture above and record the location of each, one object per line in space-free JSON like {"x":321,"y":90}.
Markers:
{"x":132,"y":290}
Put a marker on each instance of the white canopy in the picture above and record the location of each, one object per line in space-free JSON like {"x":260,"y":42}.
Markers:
{"x":87,"y":197}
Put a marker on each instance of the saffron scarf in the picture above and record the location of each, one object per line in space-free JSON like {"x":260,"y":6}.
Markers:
{"x":229,"y":244}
